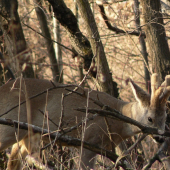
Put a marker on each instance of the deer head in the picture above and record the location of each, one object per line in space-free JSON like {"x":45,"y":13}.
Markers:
{"x":152,"y":107}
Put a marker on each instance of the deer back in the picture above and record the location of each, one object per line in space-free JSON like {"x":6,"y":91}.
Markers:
{"x":47,"y":100}
{"x":47,"y":104}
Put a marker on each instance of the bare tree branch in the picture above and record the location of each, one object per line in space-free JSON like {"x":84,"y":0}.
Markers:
{"x":126,"y":152}
{"x":104,"y":78}
{"x":78,"y":41}
{"x":115,"y":29}
{"x":70,"y":141}
{"x":45,"y":91}
{"x":115,"y":114}
{"x":160,"y":156}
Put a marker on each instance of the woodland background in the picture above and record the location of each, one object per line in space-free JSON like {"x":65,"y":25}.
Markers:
{"x":95,"y":44}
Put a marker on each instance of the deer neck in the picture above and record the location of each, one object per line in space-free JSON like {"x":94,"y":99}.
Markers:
{"x":129,"y":109}
{"x":123,"y":107}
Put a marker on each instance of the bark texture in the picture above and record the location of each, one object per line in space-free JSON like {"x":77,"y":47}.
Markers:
{"x":49,"y":43}
{"x":104,"y":77}
{"x":142,"y":45}
{"x":79,"y":42}
{"x":14,"y":37}
{"x":156,"y":37}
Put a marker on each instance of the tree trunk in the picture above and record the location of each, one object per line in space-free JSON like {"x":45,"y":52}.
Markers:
{"x":49,"y":43}
{"x":79,"y":42}
{"x":57,"y":47}
{"x":156,"y":37}
{"x":79,"y":60}
{"x":82,"y":45}
{"x":14,"y":38}
{"x":104,"y":78}
{"x":143,"y":45}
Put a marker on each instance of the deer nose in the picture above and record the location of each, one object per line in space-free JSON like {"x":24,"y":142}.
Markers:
{"x":160,"y":131}
{"x":161,"y":127}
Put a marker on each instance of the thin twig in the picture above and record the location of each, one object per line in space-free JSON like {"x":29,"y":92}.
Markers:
{"x":48,"y":118}
{"x":160,"y":156}
{"x":61,"y":119}
{"x":115,"y":114}
{"x":64,"y":132}
{"x":70,"y":141}
{"x":34,"y":96}
{"x":131,"y":148}
{"x":115,"y":29}
{"x":48,"y":38}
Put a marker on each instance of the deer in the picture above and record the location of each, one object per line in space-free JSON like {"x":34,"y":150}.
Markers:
{"x":147,"y":109}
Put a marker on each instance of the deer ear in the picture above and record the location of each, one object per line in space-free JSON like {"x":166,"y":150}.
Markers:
{"x":141,"y":96}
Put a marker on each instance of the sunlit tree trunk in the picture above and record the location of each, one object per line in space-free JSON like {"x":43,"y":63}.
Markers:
{"x":57,"y":47}
{"x":104,"y":78}
{"x":49,"y":43}
{"x":156,"y":37}
{"x":142,"y":45}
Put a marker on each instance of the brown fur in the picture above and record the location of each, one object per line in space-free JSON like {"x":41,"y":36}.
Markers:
{"x":50,"y":102}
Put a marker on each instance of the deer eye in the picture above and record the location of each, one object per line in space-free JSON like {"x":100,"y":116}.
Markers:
{"x":150,"y":119}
